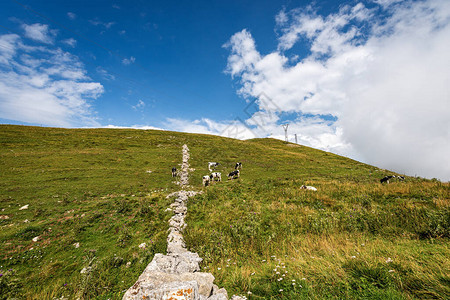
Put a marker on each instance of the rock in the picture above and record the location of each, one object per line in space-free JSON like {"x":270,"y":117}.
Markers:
{"x":204,"y":281}
{"x":170,"y":290}
{"x":218,"y":297}
{"x":24,"y":207}
{"x":175,"y":263}
{"x":142,"y":246}
{"x":222,"y":291}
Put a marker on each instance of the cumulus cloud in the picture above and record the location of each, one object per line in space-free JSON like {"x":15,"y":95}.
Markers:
{"x":232,"y":129}
{"x":44,"y":85}
{"x":40,"y":33}
{"x":374,"y":85}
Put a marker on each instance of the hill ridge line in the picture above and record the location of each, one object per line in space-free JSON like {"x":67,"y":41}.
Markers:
{"x":177,"y":275}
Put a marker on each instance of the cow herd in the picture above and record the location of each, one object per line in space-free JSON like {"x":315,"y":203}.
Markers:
{"x":217,"y":176}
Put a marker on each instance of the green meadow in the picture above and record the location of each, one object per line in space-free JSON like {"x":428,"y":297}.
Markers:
{"x":94,"y":195}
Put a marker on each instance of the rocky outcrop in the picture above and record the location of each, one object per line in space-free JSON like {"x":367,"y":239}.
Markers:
{"x":176,"y":275}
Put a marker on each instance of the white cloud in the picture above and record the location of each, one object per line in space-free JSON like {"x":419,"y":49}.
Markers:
{"x":70,"y":42}
{"x":139,"y":106}
{"x":233,"y":129}
{"x":105,"y":74}
{"x":8,"y":47}
{"x":40,"y":33}
{"x":140,"y":127}
{"x":71,"y":15}
{"x":45,"y":86}
{"x":128,"y":61}
{"x":383,"y":78}
{"x":97,"y":22}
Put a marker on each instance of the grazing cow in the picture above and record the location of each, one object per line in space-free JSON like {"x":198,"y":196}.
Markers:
{"x":238,"y":166}
{"x":308,"y":187}
{"x":174,"y":172}
{"x":234,"y":174}
{"x":401,"y":178}
{"x":212,"y":166}
{"x":216,"y":176}
{"x":386,"y":179}
{"x":206,"y":180}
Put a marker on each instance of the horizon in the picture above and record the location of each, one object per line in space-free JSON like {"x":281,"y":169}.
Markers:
{"x":367,"y":80}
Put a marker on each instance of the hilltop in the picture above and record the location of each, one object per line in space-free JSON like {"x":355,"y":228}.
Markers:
{"x":94,"y":195}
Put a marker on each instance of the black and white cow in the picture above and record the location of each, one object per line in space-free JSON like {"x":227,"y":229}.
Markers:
{"x":238,"y":166}
{"x":216,"y":176}
{"x":234,"y":174}
{"x":212,"y":166}
{"x":174,"y":172}
{"x":401,"y":178}
{"x":206,"y":180}
{"x":386,"y":179}
{"x":308,"y":187}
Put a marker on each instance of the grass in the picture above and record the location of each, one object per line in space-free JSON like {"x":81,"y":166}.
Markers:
{"x":105,"y":189}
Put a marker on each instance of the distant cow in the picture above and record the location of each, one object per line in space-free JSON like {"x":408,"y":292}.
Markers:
{"x":212,"y":166}
{"x":308,"y":187}
{"x":206,"y":180}
{"x":386,"y":179}
{"x":401,"y":178}
{"x":238,"y":166}
{"x":216,"y":176}
{"x":234,"y":174}
{"x":174,"y":172}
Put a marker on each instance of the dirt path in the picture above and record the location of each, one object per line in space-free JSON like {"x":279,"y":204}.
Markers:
{"x":177,"y":275}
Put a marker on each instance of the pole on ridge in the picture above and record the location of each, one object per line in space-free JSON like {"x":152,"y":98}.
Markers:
{"x":285,"y":126}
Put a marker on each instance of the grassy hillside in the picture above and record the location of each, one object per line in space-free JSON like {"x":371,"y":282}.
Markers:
{"x":105,"y":189}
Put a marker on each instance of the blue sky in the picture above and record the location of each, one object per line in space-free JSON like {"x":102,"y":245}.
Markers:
{"x":365,"y":79}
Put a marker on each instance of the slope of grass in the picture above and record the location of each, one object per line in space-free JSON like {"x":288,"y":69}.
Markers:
{"x":105,"y":189}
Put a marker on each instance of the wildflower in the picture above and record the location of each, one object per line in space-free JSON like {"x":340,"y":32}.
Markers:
{"x":293,"y":280}
{"x":391,"y":271}
{"x":353,"y":257}
{"x":249,"y":292}
{"x":252,"y":274}
{"x":281,"y":278}
{"x":389,"y":260}
{"x":293,"y":283}
{"x":278,"y":273}
{"x":219,"y":269}
{"x":281,"y":290}
{"x":263,"y":260}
